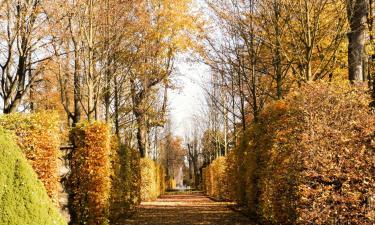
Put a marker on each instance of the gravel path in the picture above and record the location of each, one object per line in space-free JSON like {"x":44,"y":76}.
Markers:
{"x":185,"y":209}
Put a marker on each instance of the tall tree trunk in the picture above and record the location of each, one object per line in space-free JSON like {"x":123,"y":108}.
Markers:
{"x":371,"y":58}
{"x":117,"y":107}
{"x":77,"y":88}
{"x":141,"y":135}
{"x":107,"y":93}
{"x":357,"y":15}
{"x":278,"y":71}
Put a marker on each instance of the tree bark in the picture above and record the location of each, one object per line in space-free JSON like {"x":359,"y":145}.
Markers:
{"x":357,"y":15}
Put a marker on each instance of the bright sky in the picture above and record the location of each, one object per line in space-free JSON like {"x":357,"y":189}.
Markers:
{"x":187,"y":100}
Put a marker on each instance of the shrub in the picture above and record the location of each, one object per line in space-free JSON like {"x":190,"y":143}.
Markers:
{"x":309,"y":159}
{"x":215,"y":179}
{"x":160,"y":171}
{"x":171,"y":184}
{"x":90,"y":174}
{"x":152,"y":180}
{"x":23,"y":197}
{"x":314,"y":158}
{"x":39,"y":139}
{"x":125,"y":194}
{"x":206,"y":180}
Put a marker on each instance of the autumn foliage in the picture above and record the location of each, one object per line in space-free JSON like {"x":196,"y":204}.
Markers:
{"x":152,"y":179}
{"x":39,"y":139}
{"x":125,"y":191}
{"x":215,"y":178}
{"x":90,"y":180}
{"x":23,"y":197}
{"x":309,"y":159}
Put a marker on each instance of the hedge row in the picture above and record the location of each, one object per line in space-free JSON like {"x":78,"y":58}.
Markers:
{"x":215,"y":179}
{"x":39,"y":139}
{"x":105,"y":176}
{"x":171,"y":184}
{"x":309,"y":159}
{"x":23,"y":197}
{"x":125,"y":192}
{"x":152,"y":179}
{"x":104,"y":182}
{"x":89,"y":180}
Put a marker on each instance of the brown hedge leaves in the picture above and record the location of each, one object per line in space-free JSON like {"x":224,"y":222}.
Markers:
{"x":90,"y":173}
{"x":215,"y":180}
{"x":310,"y":159}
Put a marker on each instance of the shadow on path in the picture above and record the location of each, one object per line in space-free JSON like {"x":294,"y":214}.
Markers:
{"x":187,"y":209}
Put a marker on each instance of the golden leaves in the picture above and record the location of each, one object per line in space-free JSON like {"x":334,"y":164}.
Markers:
{"x":152,"y":179}
{"x":39,"y":139}
{"x":91,"y":170}
{"x":309,"y":159}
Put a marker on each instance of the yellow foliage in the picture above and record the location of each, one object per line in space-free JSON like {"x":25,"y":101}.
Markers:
{"x":152,"y":179}
{"x":171,"y":184}
{"x":215,"y":179}
{"x":309,"y":158}
{"x":125,"y":194}
{"x":38,"y":135}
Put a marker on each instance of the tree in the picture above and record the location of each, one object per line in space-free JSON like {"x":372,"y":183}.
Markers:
{"x":24,"y":48}
{"x":357,"y":11}
{"x":166,"y":29}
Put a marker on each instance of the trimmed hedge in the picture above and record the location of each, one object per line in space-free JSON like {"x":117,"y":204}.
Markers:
{"x":152,"y":180}
{"x":309,"y":159}
{"x":125,"y":192}
{"x":23,"y":197}
{"x":171,"y":184}
{"x":38,"y":135}
{"x":215,"y":179}
{"x":90,"y":180}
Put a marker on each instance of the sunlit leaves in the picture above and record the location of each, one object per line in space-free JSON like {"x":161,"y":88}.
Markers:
{"x":38,"y":136}
{"x":90,"y":176}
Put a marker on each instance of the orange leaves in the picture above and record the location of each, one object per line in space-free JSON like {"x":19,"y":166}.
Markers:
{"x":215,"y":180}
{"x":38,"y":135}
{"x":310,"y":159}
{"x":314,"y":154}
{"x":90,"y":173}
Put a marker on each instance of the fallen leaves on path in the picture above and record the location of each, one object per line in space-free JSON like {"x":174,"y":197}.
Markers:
{"x":186,"y":209}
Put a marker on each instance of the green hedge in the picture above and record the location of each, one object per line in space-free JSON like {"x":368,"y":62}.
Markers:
{"x":38,"y":136}
{"x":23,"y":198}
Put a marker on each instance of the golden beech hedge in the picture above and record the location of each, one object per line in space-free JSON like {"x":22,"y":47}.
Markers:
{"x":215,"y":179}
{"x":38,"y":135}
{"x":310,"y":159}
{"x":125,"y":192}
{"x":171,"y":184}
{"x":90,"y":179}
{"x":152,"y":179}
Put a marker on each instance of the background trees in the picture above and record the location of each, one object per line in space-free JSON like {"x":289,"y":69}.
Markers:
{"x":96,"y":60}
{"x":25,"y":45}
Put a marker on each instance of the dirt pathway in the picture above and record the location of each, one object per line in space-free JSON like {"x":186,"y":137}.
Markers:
{"x":186,"y":209}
